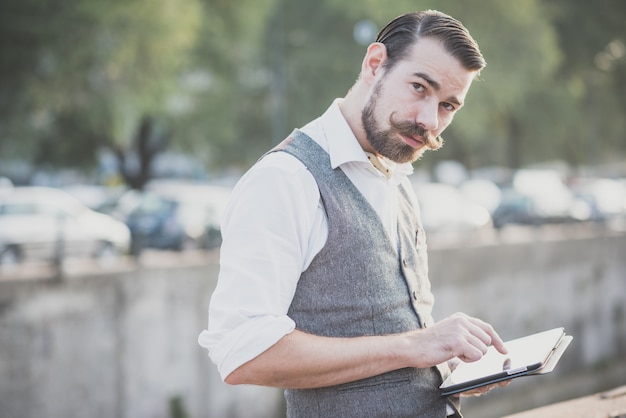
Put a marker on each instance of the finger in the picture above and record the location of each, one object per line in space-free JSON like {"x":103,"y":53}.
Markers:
{"x":504,"y":383}
{"x":484,"y":389}
{"x":490,"y":337}
{"x":453,"y":363}
{"x":481,"y":331}
{"x":479,"y":343}
{"x":477,"y":391}
{"x":497,"y":342}
{"x":471,"y":353}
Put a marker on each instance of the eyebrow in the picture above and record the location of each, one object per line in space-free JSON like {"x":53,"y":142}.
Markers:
{"x":436,"y":86}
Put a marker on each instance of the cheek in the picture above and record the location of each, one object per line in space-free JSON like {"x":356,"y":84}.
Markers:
{"x":444,"y":121}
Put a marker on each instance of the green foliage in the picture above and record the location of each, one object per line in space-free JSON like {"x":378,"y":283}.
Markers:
{"x":224,"y":90}
{"x":177,"y":408}
{"x":227,"y":80}
{"x":592,"y":36}
{"x":313,"y":56}
{"x":89,"y":71}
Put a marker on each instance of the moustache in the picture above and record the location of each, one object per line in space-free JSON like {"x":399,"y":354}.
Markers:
{"x":410,"y":129}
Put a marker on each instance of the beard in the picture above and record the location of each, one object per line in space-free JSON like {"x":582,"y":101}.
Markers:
{"x":386,"y":142}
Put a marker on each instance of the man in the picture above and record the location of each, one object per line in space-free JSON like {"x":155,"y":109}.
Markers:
{"x":323,"y":287}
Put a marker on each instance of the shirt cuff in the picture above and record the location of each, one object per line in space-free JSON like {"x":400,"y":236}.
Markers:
{"x":245,"y":342}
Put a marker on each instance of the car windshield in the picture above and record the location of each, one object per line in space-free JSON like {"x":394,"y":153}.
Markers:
{"x":40,"y":202}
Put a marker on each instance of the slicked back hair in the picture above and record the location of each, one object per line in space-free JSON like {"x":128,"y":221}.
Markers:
{"x":401,"y":33}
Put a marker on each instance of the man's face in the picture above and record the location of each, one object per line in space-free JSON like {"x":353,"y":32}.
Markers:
{"x":410,"y":105}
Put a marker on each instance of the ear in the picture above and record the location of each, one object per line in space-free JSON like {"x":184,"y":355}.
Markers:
{"x":374,"y":58}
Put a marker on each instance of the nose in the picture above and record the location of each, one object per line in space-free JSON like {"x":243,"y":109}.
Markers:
{"x":428,"y":116}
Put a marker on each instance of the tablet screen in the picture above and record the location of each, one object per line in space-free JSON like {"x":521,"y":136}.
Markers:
{"x":524,"y":354}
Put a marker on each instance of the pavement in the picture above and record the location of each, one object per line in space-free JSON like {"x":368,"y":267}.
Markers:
{"x":607,"y":404}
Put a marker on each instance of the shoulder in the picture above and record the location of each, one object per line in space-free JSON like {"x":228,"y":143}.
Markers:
{"x":279,"y":169}
{"x":278,"y":180}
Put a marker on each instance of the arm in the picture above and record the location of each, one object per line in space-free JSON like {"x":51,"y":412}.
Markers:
{"x":272,"y":228}
{"x":259,"y":262}
{"x":301,"y":360}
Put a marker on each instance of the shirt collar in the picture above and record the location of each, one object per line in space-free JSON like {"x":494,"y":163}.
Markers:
{"x":343,"y":147}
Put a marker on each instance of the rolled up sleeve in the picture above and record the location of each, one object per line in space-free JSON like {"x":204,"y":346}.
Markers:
{"x":267,"y":243}
{"x":231,"y":349}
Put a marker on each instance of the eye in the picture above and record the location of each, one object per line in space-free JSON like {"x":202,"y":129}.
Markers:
{"x":419,"y":87}
{"x":449,"y":107}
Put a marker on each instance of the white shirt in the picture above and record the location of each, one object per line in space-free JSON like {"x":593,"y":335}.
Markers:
{"x":272,"y":228}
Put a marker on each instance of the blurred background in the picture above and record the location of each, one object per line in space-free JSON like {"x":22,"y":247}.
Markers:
{"x":124,"y":126}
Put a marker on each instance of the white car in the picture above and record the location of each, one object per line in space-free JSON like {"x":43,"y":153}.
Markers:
{"x":41,"y":223}
{"x":445,"y":208}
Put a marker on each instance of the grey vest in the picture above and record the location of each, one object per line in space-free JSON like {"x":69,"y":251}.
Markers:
{"x":362,"y":284}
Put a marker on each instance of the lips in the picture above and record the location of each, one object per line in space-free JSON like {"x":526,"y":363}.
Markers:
{"x":413,"y":141}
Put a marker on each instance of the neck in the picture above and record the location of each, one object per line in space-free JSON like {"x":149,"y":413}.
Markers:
{"x":351,"y":108}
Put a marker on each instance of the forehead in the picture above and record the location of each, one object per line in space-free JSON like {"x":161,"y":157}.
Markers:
{"x":429,"y":57}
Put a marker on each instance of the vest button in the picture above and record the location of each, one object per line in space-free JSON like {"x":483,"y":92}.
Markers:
{"x":404,"y":263}
{"x":415,"y":294}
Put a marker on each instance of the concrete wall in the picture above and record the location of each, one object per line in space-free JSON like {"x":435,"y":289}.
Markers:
{"x":577,"y":283}
{"x":124,"y":344}
{"x":523,"y":288}
{"x":116,"y":345}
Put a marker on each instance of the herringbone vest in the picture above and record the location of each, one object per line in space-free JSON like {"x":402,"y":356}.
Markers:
{"x":363,"y":284}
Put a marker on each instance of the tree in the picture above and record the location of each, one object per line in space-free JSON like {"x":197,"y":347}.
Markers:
{"x":592,"y":37}
{"x":227,"y":80}
{"x":223,"y":114}
{"x":525,"y":108}
{"x":518,"y":43}
{"x":95,"y":72}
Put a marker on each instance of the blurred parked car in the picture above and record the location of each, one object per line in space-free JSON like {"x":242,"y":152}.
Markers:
{"x":538,"y":197}
{"x":552,"y":200}
{"x":174,"y":216}
{"x":41,"y":223}
{"x":445,"y":208}
{"x":607,"y":197}
{"x":94,"y":196}
{"x":483,"y":192}
{"x":515,"y":209}
{"x":5,"y":183}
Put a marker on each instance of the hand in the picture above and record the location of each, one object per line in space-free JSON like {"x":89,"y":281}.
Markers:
{"x":454,"y":362}
{"x":484,"y":389}
{"x":460,"y":336}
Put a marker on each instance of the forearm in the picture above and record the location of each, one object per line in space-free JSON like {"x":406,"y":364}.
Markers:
{"x":301,"y":360}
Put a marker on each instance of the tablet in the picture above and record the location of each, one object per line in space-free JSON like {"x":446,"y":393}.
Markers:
{"x":533,"y":354}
